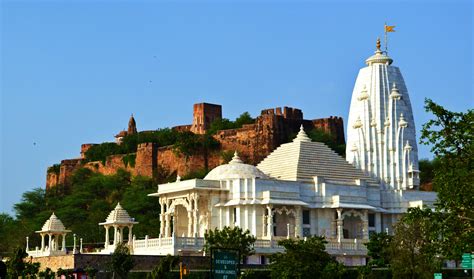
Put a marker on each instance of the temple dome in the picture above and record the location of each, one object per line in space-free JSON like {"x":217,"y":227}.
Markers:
{"x":119,"y":216}
{"x":53,"y":224}
{"x":235,"y":169}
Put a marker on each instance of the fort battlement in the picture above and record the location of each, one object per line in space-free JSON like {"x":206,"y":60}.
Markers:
{"x":254,"y":142}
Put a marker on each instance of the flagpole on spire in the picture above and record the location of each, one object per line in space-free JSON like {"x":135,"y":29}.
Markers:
{"x":388,"y":28}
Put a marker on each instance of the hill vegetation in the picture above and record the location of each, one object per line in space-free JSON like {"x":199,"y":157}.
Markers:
{"x":82,"y":208}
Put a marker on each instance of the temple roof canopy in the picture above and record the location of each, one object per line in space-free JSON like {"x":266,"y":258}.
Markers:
{"x":119,"y":216}
{"x":53,"y":225}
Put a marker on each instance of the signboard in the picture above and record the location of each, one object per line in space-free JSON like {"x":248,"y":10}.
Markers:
{"x":438,"y":276}
{"x":466,"y":261}
{"x":224,"y":263}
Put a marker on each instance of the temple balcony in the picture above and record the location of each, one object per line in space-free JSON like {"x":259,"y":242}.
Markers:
{"x":194,"y":246}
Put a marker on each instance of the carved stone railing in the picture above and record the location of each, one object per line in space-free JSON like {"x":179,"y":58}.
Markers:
{"x":346,"y":246}
{"x":174,"y":245}
{"x":45,"y":253}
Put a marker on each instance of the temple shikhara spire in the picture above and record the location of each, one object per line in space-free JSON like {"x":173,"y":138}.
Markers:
{"x":381,"y":131}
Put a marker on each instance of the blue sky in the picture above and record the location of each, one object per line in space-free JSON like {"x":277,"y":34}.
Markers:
{"x":73,"y":72}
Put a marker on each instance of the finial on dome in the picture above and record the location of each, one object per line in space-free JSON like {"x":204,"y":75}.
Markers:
{"x":363,"y":94}
{"x":302,"y":136}
{"x":402,"y":121}
{"x":236,"y":159}
{"x":395,"y":93}
{"x":118,"y":205}
{"x":379,"y":56}
{"x":357,"y":124}
{"x":408,"y":146}
{"x":354,"y":148}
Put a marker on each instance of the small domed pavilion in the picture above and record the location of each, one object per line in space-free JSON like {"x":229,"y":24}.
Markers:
{"x":53,"y":228}
{"x":119,"y":219}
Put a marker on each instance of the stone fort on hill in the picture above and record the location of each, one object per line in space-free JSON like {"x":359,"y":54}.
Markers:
{"x":253,"y":142}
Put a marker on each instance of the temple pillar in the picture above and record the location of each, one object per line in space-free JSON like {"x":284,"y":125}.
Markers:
{"x":162,"y":224}
{"x":50,"y":241}
{"x":298,"y":222}
{"x":107,"y":240}
{"x":130,"y":234}
{"x":365,"y":225}
{"x":269,"y":222}
{"x":264,"y":225}
{"x":340,"y":224}
{"x":115,"y":235}
{"x":63,"y":245}
{"x":190,"y":223}
{"x":196,"y":216}
{"x":42,"y":242}
{"x":162,"y":218}
{"x":167,"y":225}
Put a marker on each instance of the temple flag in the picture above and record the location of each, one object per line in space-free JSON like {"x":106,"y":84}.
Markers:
{"x":389,"y":28}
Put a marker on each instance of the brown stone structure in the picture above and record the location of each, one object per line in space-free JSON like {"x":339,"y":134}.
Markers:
{"x":132,"y":129}
{"x":146,"y":160}
{"x":67,"y":168}
{"x":203,"y":116}
{"x":100,"y":262}
{"x":52,"y":178}
{"x":84,"y":148}
{"x":253,"y":142}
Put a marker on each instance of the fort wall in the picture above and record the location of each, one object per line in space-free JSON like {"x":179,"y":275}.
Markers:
{"x":100,"y":262}
{"x":253,"y":142}
{"x":52,"y":179}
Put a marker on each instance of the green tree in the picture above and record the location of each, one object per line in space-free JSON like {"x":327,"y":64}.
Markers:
{"x":243,"y":119}
{"x":16,"y":265}
{"x":100,"y":152}
{"x":451,"y":135}
{"x":378,"y":249}
{"x":303,"y":258}
{"x":47,"y":274}
{"x":414,"y":252}
{"x":225,"y":124}
{"x":31,"y":203}
{"x":121,"y":262}
{"x":8,"y":232}
{"x":427,"y":170}
{"x":31,"y":270}
{"x":233,"y":238}
{"x":164,"y":267}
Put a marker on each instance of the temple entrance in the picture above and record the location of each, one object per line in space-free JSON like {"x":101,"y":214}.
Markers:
{"x":181,"y":221}
{"x":353,"y":227}
{"x":283,"y":221}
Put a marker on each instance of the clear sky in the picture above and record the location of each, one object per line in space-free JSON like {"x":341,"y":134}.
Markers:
{"x":72,"y":73}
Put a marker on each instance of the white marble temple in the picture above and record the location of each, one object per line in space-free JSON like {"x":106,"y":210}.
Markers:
{"x":381,"y":137}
